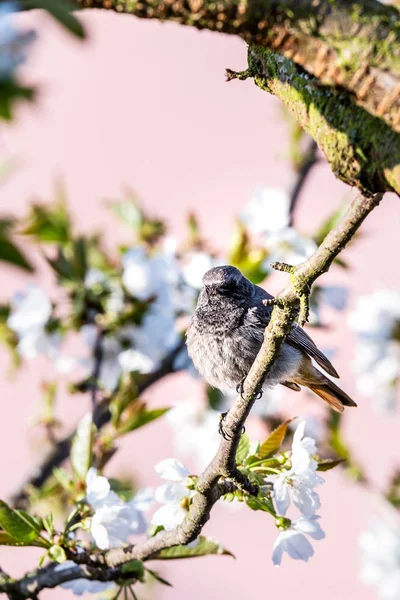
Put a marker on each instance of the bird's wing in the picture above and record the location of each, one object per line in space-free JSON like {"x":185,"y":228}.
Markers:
{"x":297,"y":337}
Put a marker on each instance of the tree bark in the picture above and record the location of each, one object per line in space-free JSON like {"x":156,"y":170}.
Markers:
{"x":351,"y":44}
{"x":334,"y":63}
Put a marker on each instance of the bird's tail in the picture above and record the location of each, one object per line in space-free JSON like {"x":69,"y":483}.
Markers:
{"x":316,"y":381}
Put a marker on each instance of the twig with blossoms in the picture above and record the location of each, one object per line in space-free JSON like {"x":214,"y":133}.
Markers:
{"x":223,"y":474}
{"x":60,"y":452}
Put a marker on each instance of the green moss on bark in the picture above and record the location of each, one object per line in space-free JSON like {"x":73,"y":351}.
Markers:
{"x":361,"y":149}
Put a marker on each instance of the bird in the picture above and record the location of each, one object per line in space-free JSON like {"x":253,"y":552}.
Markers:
{"x":226,"y":332}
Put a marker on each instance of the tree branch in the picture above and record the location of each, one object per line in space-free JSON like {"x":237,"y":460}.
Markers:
{"x":286,"y":307}
{"x":210,"y":486}
{"x":351,"y":44}
{"x":60,"y":452}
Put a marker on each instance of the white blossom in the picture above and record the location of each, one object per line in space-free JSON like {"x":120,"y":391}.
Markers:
{"x":173,"y":496}
{"x":83,"y":586}
{"x":298,"y":483}
{"x":114,"y":520}
{"x":195,"y":266}
{"x":380,"y":559}
{"x":293,"y":540}
{"x":376,"y":321}
{"x":195,"y":430}
{"x":288,"y":246}
{"x":268,"y":211}
{"x":30,"y":313}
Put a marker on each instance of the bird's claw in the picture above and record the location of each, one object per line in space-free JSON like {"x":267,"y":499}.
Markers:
{"x":221,"y":430}
{"x":240,"y":390}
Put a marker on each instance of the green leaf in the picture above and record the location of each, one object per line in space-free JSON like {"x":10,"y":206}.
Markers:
{"x":7,"y":540}
{"x":329,"y":463}
{"x":128,"y":211}
{"x":61,"y":10}
{"x":243,"y":449}
{"x":204,"y":547}
{"x":81,"y":449}
{"x":138,"y":418}
{"x":134,"y":568}
{"x":64,"y":479}
{"x":8,"y":250}
{"x":9,"y":92}
{"x":79,"y":258}
{"x":274,"y":441}
{"x":159,"y":578}
{"x":327,"y":225}
{"x":18,"y":524}
{"x":49,"y":223}
{"x":260,"y":502}
{"x":57,"y":554}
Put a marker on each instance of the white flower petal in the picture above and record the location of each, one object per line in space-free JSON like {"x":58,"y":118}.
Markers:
{"x":143,"y":499}
{"x":172,"y":470}
{"x":169,"y":516}
{"x":310,"y":526}
{"x":170,"y":493}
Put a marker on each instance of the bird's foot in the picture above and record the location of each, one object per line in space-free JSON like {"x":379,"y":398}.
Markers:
{"x":221,"y":430}
{"x":240,"y":390}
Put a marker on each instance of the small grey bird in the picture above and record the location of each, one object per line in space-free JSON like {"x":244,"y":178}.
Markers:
{"x":226,"y":333}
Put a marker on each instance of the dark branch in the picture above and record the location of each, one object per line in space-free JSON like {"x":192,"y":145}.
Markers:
{"x":60,"y":452}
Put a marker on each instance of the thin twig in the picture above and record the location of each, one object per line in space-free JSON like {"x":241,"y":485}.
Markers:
{"x":296,"y":184}
{"x":98,"y":354}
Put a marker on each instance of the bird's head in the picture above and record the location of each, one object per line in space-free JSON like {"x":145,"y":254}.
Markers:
{"x":227,"y":282}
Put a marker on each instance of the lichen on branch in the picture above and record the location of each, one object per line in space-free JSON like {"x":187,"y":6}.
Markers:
{"x":361,"y":149}
{"x":353,"y":45}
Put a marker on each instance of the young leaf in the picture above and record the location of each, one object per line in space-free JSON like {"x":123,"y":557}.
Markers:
{"x":57,"y":554}
{"x":329,"y":463}
{"x":7,"y":540}
{"x":61,"y":10}
{"x":159,"y":578}
{"x":64,"y":479}
{"x":81,"y":449}
{"x":134,"y":568}
{"x":274,"y":441}
{"x":49,"y":223}
{"x":8,"y":250}
{"x":138,"y":418}
{"x":243,"y":449}
{"x":17,"y":524}
{"x":204,"y":547}
{"x":260,"y":503}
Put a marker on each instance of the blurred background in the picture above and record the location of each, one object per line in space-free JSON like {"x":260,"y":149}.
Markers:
{"x":142,"y":107}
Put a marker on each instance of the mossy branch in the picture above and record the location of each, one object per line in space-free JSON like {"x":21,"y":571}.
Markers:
{"x":350,"y":44}
{"x":361,"y":149}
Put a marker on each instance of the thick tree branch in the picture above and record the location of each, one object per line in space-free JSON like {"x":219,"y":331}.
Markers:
{"x":362,"y":150}
{"x":60,"y":452}
{"x":222,"y":474}
{"x":334,"y":64}
{"x":351,"y":44}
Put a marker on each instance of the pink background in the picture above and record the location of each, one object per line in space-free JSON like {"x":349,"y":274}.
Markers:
{"x":145,"y":106}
